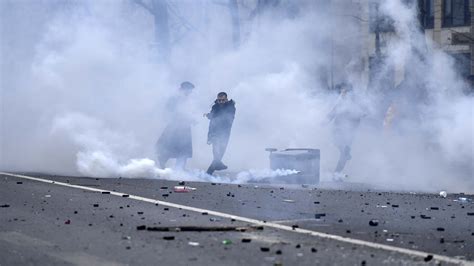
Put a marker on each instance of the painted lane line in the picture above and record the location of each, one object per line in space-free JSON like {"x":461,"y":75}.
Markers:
{"x":298,"y":221}
{"x":258,"y":222}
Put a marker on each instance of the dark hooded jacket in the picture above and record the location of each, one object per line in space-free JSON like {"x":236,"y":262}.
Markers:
{"x":221,"y":118}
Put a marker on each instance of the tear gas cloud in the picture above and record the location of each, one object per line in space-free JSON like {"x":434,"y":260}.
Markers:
{"x":84,"y":91}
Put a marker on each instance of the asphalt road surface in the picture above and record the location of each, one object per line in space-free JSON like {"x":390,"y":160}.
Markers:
{"x":57,"y":220}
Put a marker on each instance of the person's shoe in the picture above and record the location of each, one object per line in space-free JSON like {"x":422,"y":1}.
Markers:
{"x":339,"y":177}
{"x":220,"y":166}
{"x":210,"y":171}
{"x":213,"y":167}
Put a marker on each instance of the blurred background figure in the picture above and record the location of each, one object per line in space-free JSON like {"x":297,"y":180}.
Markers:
{"x":345,"y":118}
{"x":176,"y":140}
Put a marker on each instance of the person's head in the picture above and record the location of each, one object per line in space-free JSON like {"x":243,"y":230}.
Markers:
{"x":186,"y":87}
{"x":343,"y":88}
{"x":222,"y":98}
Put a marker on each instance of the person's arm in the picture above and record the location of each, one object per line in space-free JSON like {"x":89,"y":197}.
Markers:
{"x":232,"y":113}
{"x":211,"y":114}
{"x":389,"y":116}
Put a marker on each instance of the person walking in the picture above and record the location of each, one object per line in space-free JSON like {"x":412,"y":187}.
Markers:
{"x":220,"y":125}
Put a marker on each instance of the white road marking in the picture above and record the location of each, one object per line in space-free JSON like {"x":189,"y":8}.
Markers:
{"x":258,"y":222}
{"x":299,"y":220}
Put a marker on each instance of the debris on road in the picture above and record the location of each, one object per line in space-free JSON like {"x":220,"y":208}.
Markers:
{"x":194,"y":244}
{"x":226,"y":242}
{"x":443,"y":194}
{"x":374,"y":222}
{"x":4,"y":206}
{"x":168,"y":237}
{"x":183,"y":189}
{"x":141,"y":227}
{"x":67,"y":222}
{"x":319,"y":215}
{"x":288,"y":200}
{"x":199,"y":228}
{"x":428,"y":258}
{"x":463,"y":200}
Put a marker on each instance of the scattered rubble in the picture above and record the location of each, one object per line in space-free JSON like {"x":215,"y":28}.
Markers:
{"x":428,"y":258}
{"x":199,"y":228}
{"x":182,"y":189}
{"x":319,"y":215}
{"x":374,"y":222}
{"x":463,"y":200}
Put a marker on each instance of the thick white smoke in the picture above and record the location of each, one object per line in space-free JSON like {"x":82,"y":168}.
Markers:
{"x":85,"y":94}
{"x":435,"y":149}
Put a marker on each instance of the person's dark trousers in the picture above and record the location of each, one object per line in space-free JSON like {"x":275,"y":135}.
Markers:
{"x":219,"y":146}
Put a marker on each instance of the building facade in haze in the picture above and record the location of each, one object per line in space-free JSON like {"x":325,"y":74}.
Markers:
{"x":448,"y":23}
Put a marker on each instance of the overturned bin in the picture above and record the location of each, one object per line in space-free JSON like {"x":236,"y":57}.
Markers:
{"x":306,"y":161}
